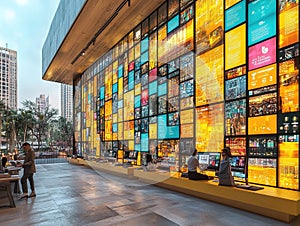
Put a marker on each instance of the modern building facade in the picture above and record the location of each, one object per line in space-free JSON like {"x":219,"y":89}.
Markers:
{"x":187,"y":74}
{"x":9,"y":77}
{"x":67,"y":102}
{"x":42,"y":102}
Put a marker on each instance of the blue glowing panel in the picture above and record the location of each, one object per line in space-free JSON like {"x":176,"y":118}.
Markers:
{"x":173,"y":23}
{"x":235,"y":15}
{"x":152,"y":88}
{"x":261,"y":20}
{"x":162,"y":89}
{"x":144,"y":142}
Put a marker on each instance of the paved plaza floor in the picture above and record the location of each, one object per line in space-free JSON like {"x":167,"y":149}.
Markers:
{"x":77,"y":195}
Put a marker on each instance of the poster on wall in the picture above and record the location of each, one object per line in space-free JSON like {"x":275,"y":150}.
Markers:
{"x":288,"y":22}
{"x":209,"y":25}
{"x":289,"y":86}
{"x":235,"y":47}
{"x":210,"y":128}
{"x":262,"y":54}
{"x":261,"y":20}
{"x":235,"y":15}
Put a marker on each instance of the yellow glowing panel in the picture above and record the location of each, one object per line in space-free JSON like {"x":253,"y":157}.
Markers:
{"x":120,"y":88}
{"x":131,"y":145}
{"x":262,"y":77}
{"x":235,"y":47}
{"x":289,"y":24}
{"x":131,"y":55}
{"x":137,"y":89}
{"x":187,"y":116}
{"x":210,"y":128}
{"x":210,"y":77}
{"x":262,"y":125}
{"x":187,"y":130}
{"x":288,"y":165}
{"x":120,"y":115}
{"x":229,"y":3}
{"x":129,"y":105}
{"x":120,"y":131}
{"x":152,"y":51}
{"x":108,"y":85}
{"x":108,"y":110}
{"x":129,"y":130}
{"x":137,"y":50}
{"x":262,"y":171}
{"x":108,"y":130}
{"x":115,"y":118}
{"x":153,"y":131}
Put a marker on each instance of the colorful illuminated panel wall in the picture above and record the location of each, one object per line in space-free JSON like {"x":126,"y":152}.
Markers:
{"x":201,"y":74}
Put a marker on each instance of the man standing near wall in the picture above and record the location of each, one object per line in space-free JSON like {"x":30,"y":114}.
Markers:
{"x":29,"y":170}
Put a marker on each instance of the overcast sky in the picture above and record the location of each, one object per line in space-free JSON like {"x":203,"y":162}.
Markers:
{"x":24,"y":27}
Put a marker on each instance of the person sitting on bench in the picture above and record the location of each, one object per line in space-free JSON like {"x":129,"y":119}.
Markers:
{"x":193,"y":164}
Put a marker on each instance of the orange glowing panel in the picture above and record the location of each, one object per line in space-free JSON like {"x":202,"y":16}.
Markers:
{"x":266,"y":124}
{"x":289,"y":86}
{"x":288,"y":161}
{"x":187,"y":130}
{"x":210,"y":128}
{"x":288,"y":23}
{"x":261,"y":77}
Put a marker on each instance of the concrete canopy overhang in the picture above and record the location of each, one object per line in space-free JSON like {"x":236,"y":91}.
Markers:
{"x":66,"y":65}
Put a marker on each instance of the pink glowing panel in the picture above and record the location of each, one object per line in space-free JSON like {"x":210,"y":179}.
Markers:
{"x":262,"y":54}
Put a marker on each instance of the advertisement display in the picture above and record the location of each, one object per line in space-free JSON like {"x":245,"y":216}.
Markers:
{"x":261,"y":77}
{"x":210,"y":128}
{"x":237,"y":145}
{"x":229,"y":3}
{"x":235,"y":15}
{"x":235,"y":117}
{"x":263,"y":105}
{"x":261,"y":20}
{"x":262,"y":54}
{"x":210,"y":77}
{"x":288,"y":26}
{"x":262,"y":125}
{"x":235,"y":88}
{"x":288,"y":161}
{"x":288,"y":123}
{"x":209,"y":23}
{"x":235,"y":47}
{"x":289,"y":86}
{"x":262,"y":171}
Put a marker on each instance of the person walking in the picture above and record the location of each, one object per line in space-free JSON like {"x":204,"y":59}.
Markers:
{"x":29,"y":170}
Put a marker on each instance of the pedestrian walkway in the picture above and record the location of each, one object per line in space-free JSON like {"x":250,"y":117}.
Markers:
{"x":77,"y":195}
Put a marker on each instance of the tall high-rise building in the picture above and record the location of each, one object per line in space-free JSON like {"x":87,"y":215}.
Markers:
{"x":42,"y":102}
{"x":8,"y":77}
{"x":67,"y":102}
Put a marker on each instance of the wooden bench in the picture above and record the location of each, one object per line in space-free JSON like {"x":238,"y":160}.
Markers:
{"x":280,"y":204}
